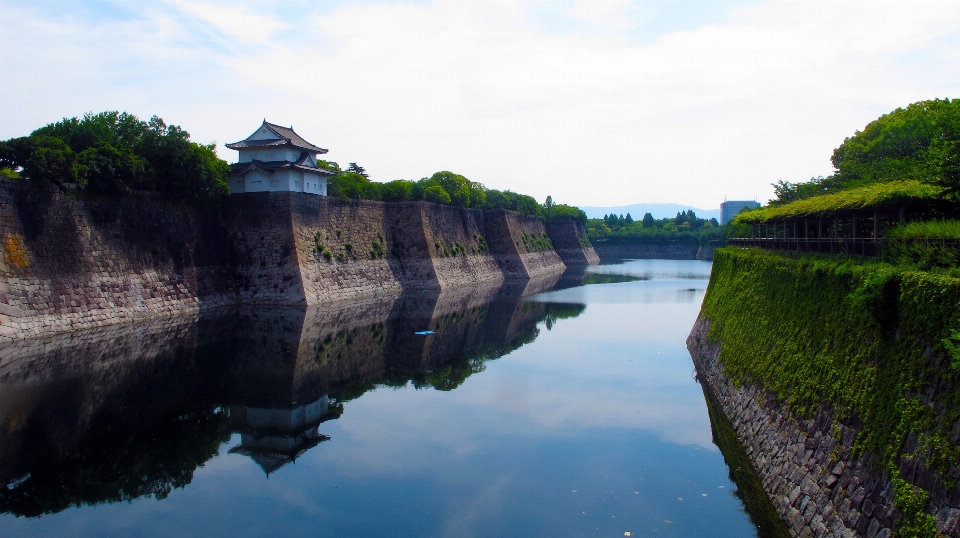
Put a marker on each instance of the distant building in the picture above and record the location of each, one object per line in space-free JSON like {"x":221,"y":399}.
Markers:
{"x":729,"y":209}
{"x":276,"y":159}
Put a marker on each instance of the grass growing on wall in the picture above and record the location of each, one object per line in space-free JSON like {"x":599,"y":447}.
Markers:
{"x":928,"y":229}
{"x":872,"y":196}
{"x":865,"y":338}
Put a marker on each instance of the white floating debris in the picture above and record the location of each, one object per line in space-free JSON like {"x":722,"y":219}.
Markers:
{"x":423,"y":333}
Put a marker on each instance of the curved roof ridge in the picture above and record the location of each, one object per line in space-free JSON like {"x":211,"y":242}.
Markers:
{"x":286,"y":134}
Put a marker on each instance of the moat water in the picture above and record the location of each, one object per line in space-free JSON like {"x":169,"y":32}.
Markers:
{"x":516,"y":412}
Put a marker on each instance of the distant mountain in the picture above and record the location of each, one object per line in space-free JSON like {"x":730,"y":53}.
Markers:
{"x":659,"y":211}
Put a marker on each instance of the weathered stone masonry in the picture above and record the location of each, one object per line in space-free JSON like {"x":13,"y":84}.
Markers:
{"x":72,"y":262}
{"x":808,"y":470}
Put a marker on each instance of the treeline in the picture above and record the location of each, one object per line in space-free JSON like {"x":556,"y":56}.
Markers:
{"x":113,"y":153}
{"x":685,"y":227}
{"x":442,"y":188}
{"x":920,"y":142}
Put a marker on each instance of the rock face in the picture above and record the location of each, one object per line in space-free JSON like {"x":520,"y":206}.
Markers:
{"x":71,"y":262}
{"x":807,"y":466}
{"x":571,"y":243}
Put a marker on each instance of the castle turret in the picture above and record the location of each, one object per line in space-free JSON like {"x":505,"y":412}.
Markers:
{"x":276,"y":159}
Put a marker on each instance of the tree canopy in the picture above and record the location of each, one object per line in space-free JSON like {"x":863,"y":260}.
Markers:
{"x":920,"y":142}
{"x":443,"y":187}
{"x":685,"y":227}
{"x":115,"y":152}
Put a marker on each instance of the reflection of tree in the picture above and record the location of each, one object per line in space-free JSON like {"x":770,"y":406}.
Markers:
{"x":119,"y":464}
{"x":471,"y":358}
{"x":558,"y":311}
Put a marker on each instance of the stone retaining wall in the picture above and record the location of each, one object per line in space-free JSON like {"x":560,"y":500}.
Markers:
{"x":71,"y":262}
{"x":70,"y":265}
{"x":610,"y":252}
{"x":570,"y":241}
{"x":807,"y":467}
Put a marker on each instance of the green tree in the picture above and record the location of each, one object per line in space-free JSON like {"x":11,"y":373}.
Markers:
{"x":436,"y":194}
{"x":40,"y":159}
{"x":478,"y":195}
{"x":648,"y":220}
{"x":457,"y":186}
{"x":398,"y":190}
{"x":909,"y":143}
{"x":329,"y":166}
{"x":357,"y":169}
{"x":114,"y":152}
{"x":949,"y":177}
{"x":351,"y":185}
{"x":104,"y":168}
{"x":548,"y":206}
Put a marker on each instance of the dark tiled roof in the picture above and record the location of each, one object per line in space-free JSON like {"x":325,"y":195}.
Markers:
{"x":269,"y":167}
{"x":287,"y":137}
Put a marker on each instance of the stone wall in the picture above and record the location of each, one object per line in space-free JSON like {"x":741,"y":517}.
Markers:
{"x":356,"y":234}
{"x":508,"y":235}
{"x":570,"y":241}
{"x":69,"y":264}
{"x":808,"y":467}
{"x":71,"y":261}
{"x":456,"y":241}
{"x":610,"y":252}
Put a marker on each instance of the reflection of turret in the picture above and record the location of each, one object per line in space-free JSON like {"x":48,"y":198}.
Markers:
{"x":276,"y":437}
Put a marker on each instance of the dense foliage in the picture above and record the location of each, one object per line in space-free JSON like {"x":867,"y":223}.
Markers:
{"x":112,"y":153}
{"x":931,"y":229}
{"x":925,"y":245}
{"x":685,"y":227}
{"x":920,"y":142}
{"x":442,"y":188}
{"x":865,"y":340}
{"x":876,"y":196}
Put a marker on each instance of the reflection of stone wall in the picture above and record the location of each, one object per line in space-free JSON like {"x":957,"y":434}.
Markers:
{"x":161,"y":386}
{"x":54,"y":390}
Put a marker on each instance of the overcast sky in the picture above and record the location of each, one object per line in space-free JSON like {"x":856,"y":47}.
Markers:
{"x":594,"y":102}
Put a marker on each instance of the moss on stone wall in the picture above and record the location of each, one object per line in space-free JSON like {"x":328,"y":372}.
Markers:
{"x":870,"y":340}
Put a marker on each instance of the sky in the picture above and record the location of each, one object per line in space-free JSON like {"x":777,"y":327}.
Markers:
{"x":594,"y":102}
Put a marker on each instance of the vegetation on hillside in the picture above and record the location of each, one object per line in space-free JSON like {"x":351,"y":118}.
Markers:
{"x":920,"y":142}
{"x":113,"y":153}
{"x":865,"y":340}
{"x":685,"y":227}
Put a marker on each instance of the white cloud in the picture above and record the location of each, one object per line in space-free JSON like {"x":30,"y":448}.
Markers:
{"x":590,"y":115}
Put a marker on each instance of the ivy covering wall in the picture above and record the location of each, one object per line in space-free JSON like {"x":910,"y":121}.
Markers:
{"x":874,"y":342}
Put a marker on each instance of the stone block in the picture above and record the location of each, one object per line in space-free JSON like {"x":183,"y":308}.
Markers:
{"x":948,"y":521}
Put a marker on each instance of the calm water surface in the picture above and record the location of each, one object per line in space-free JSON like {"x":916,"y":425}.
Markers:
{"x":571,"y":412}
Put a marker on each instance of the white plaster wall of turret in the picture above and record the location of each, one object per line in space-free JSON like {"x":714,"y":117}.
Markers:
{"x":270,"y":154}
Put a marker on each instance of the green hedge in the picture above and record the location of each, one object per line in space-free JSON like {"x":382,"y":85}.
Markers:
{"x":863,"y":338}
{"x":878,"y":196}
